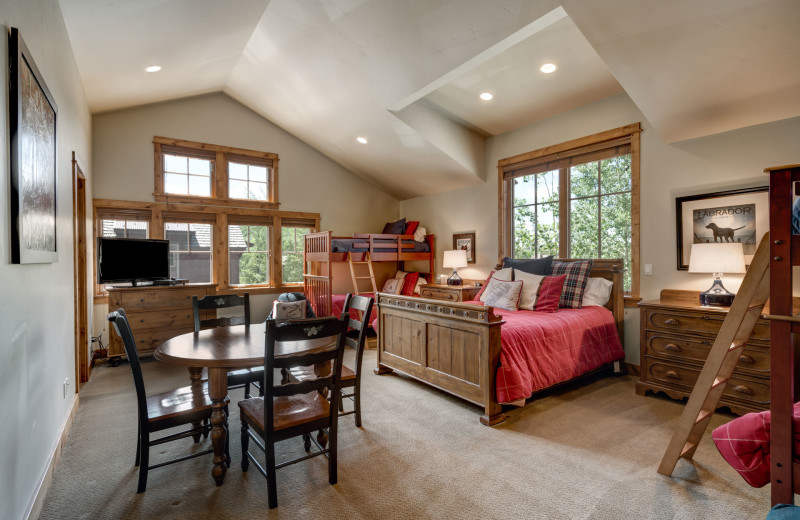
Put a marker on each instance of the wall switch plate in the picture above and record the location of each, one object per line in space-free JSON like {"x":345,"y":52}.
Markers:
{"x":648,"y":269}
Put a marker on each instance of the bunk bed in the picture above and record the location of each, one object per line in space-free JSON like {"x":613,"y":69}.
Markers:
{"x":322,"y":249}
{"x":459,"y":347}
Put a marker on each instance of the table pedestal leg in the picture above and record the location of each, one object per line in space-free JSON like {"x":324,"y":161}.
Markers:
{"x":218,"y":390}
{"x":196,"y":375}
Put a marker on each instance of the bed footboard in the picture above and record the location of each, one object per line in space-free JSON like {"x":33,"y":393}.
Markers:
{"x":452,"y":346}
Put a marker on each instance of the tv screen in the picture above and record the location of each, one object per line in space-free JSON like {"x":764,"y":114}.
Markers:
{"x":131,"y":259}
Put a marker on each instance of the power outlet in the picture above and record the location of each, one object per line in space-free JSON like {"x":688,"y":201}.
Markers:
{"x":66,"y":386}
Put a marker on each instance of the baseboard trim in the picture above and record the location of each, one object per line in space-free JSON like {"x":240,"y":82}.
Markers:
{"x":37,"y":501}
{"x":632,"y":369}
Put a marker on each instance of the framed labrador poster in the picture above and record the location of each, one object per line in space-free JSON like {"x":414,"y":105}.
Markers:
{"x":728,"y":216}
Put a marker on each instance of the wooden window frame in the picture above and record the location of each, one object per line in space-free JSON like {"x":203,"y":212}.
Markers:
{"x":116,"y":213}
{"x":194,"y":218}
{"x":220,"y":156}
{"x":158,"y":213}
{"x":543,"y":159}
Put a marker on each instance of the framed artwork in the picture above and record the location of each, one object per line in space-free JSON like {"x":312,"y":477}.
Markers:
{"x":465,"y":241}
{"x":727,"y":216}
{"x":32,"y":129}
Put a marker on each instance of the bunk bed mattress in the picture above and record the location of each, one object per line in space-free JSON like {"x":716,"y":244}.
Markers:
{"x":744,"y":444}
{"x":345,"y":245}
{"x":541,"y":349}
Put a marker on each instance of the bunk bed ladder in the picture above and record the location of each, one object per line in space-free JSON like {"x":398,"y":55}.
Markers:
{"x":368,"y":261}
{"x":721,"y":361}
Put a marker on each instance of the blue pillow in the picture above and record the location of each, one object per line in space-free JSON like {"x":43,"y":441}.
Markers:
{"x":540,"y":266}
{"x":398,"y":227}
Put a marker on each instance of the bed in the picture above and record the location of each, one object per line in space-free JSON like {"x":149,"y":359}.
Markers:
{"x":483,"y":355}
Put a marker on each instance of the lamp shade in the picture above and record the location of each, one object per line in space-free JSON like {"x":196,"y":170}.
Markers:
{"x":454,"y":259}
{"x":717,"y":258}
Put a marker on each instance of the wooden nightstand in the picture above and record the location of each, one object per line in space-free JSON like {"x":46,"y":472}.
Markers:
{"x":452,"y":293}
{"x":676,"y":336}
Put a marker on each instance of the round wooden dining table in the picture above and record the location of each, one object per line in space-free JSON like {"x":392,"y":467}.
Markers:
{"x":219,"y":350}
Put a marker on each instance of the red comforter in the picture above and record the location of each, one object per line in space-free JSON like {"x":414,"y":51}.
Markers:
{"x":744,"y":444}
{"x":541,"y":349}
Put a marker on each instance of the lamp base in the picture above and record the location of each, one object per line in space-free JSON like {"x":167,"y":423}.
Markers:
{"x":717,"y":295}
{"x":455,"y":279}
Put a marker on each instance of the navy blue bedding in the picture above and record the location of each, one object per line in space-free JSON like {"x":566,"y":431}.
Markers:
{"x":344,"y":245}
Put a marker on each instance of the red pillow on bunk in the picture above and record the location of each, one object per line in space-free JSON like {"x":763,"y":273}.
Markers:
{"x":550,"y":293}
{"x":411,"y":226}
{"x":409,"y":282}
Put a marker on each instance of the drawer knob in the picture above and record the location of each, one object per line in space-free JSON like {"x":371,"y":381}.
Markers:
{"x":141,"y":321}
{"x":673,"y":375}
{"x":672,"y":321}
{"x":706,"y":342}
{"x":744,"y":358}
{"x":142,"y":300}
{"x":742,"y":389}
{"x":673,"y":347}
{"x":706,"y":318}
{"x":451,"y":296}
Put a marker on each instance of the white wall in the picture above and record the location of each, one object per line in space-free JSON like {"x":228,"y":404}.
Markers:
{"x":308,"y":181}
{"x":715,"y":163}
{"x":36,"y":310}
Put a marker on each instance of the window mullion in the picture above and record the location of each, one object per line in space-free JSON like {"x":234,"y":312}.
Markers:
{"x":564,"y":197}
{"x":599,"y":213}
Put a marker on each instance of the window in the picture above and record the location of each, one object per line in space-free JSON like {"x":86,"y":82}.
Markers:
{"x":190,"y":246}
{"x":191,"y":172}
{"x":292,"y":244}
{"x":248,"y":252}
{"x":119,"y":223}
{"x":575,"y":200}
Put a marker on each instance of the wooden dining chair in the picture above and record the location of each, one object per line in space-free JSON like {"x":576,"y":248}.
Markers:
{"x":356,"y":339}
{"x":187,"y":405}
{"x":292,"y":409}
{"x":240,"y":378}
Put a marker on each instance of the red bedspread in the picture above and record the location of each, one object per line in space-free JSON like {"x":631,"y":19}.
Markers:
{"x":541,"y":349}
{"x":337,"y":305}
{"x":744,"y":444}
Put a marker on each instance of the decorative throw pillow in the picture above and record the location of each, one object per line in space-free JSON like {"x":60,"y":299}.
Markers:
{"x":598,"y":291}
{"x":420,"y":282}
{"x":411,"y":227}
{"x":577,"y":274}
{"x":540,"y":266}
{"x":550,"y":293}
{"x":480,"y":293}
{"x":409,"y":282}
{"x":530,"y":286}
{"x":395,"y":228}
{"x":502,"y":294}
{"x":506,"y":273}
{"x":419,"y":234}
{"x":288,"y":310}
{"x":393,"y":286}
{"x":400,"y":274}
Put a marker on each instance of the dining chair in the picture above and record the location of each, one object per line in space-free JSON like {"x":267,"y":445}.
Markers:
{"x":292,"y":409}
{"x":240,"y":378}
{"x":187,"y":405}
{"x":356,"y":339}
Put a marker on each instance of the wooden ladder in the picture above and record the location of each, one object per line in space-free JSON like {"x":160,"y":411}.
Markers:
{"x":721,"y":361}
{"x":367,"y":260}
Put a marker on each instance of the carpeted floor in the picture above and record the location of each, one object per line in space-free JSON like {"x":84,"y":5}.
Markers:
{"x":586,"y":451}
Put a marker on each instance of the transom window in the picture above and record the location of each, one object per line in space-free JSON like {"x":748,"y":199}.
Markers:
{"x":187,"y":175}
{"x":247,"y":181}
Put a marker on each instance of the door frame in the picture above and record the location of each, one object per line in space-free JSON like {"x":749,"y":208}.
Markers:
{"x":80,"y":252}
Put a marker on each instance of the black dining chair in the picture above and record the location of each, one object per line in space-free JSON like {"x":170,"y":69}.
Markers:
{"x":240,"y":378}
{"x":187,"y":405}
{"x":292,"y":409}
{"x":356,"y":339}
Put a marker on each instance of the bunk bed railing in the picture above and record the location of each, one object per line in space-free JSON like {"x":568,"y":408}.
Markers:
{"x":317,"y":271}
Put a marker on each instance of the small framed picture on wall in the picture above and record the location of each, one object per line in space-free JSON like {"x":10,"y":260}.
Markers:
{"x":465,"y":241}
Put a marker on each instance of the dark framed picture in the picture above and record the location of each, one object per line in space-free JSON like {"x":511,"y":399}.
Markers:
{"x":32,"y":129}
{"x":465,"y":241}
{"x":727,"y":216}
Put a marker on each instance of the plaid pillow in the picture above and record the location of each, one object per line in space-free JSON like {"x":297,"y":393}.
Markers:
{"x":577,"y":275}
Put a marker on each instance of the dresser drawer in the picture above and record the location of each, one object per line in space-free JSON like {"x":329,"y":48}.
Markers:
{"x":663,"y":319}
{"x":146,"y":341}
{"x":753,"y":359}
{"x":738,"y":388}
{"x":163,"y":319}
{"x":439,"y":294}
{"x":155,"y":298}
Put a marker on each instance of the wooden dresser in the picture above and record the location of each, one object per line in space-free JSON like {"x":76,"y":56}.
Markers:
{"x":676,"y":336}
{"x":155,"y":313}
{"x":451,"y":293}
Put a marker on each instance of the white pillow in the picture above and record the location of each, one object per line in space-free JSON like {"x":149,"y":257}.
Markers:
{"x":420,"y":282}
{"x":597,"y":292}
{"x":393,"y":286}
{"x":288,"y":310}
{"x":507,"y":274}
{"x":502,"y":294}
{"x":419,"y":234}
{"x":400,"y":274}
{"x":530,"y":287}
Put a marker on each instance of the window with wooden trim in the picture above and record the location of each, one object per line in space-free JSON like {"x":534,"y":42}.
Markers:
{"x":192,"y":172}
{"x":292,"y":247}
{"x":120,"y":224}
{"x":190,"y":250}
{"x":575,"y":200}
{"x":249,"y":254}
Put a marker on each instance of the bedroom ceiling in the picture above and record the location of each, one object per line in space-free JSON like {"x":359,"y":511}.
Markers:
{"x":406,"y":74}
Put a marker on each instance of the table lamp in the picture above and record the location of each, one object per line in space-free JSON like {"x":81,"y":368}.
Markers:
{"x":455,"y":259}
{"x":717,"y":259}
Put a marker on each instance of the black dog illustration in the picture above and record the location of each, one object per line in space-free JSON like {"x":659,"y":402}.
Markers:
{"x":723,"y":234}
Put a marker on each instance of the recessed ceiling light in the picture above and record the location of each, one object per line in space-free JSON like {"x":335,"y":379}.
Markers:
{"x":547,"y":68}
{"x":153,"y":68}
{"x":486,"y":96}
{"x":362,"y":140}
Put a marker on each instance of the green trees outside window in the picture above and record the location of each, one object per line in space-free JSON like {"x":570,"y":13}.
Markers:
{"x":292,"y":253}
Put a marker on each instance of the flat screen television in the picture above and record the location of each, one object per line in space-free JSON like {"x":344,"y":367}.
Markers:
{"x":132,"y":260}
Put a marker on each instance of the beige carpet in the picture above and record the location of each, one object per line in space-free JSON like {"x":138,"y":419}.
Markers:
{"x":585,"y":451}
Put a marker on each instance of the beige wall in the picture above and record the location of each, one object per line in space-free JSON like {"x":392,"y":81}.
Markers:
{"x":308,"y":181}
{"x":36,"y":309}
{"x":709,"y":164}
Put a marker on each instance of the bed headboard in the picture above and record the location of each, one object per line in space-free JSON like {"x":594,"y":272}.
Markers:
{"x":610,"y":269}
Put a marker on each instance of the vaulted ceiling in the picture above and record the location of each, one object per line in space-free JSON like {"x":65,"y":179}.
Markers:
{"x":406,"y":74}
